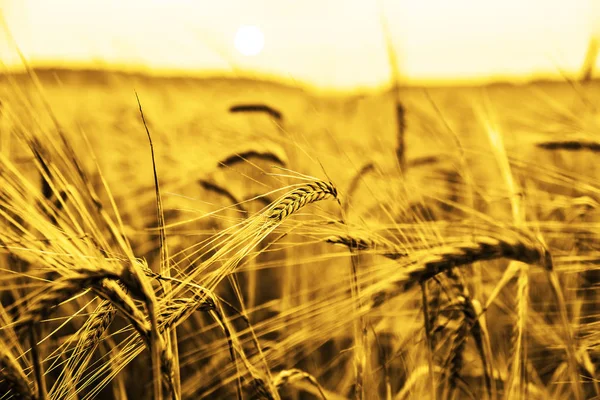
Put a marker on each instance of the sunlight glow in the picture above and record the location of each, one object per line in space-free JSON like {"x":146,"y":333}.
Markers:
{"x":249,"y":40}
{"x":338,"y":43}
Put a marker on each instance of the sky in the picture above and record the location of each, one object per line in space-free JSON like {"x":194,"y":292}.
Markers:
{"x":328,"y":43}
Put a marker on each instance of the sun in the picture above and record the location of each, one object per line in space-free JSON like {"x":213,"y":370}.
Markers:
{"x":249,"y":40}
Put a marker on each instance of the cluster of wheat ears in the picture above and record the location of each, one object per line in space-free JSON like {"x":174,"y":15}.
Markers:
{"x":85,"y":316}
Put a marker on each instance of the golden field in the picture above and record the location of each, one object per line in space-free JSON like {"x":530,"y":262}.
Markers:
{"x":299,"y":255}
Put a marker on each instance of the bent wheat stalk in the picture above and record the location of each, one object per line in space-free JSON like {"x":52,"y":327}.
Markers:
{"x":425,"y":264}
{"x":480,"y":248}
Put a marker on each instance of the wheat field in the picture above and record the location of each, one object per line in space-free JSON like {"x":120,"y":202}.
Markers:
{"x":179,"y":238}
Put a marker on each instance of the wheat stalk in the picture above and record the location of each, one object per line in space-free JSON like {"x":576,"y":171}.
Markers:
{"x":517,"y":385}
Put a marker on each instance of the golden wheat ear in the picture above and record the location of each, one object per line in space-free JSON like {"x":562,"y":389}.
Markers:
{"x":571,"y":145}
{"x":300,"y":197}
{"x":257,"y":108}
{"x":13,"y":378}
{"x":290,"y":376}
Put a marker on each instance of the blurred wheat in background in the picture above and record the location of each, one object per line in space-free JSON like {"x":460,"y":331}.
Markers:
{"x":235,"y":201}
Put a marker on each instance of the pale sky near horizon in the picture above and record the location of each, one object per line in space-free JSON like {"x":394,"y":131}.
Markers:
{"x":330,"y":43}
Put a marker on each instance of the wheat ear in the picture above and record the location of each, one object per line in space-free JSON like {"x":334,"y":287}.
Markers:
{"x":12,"y":375}
{"x":60,"y":290}
{"x":289,"y":376}
{"x":88,"y":339}
{"x":471,"y":311}
{"x":572,"y":145}
{"x":300,"y":197}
